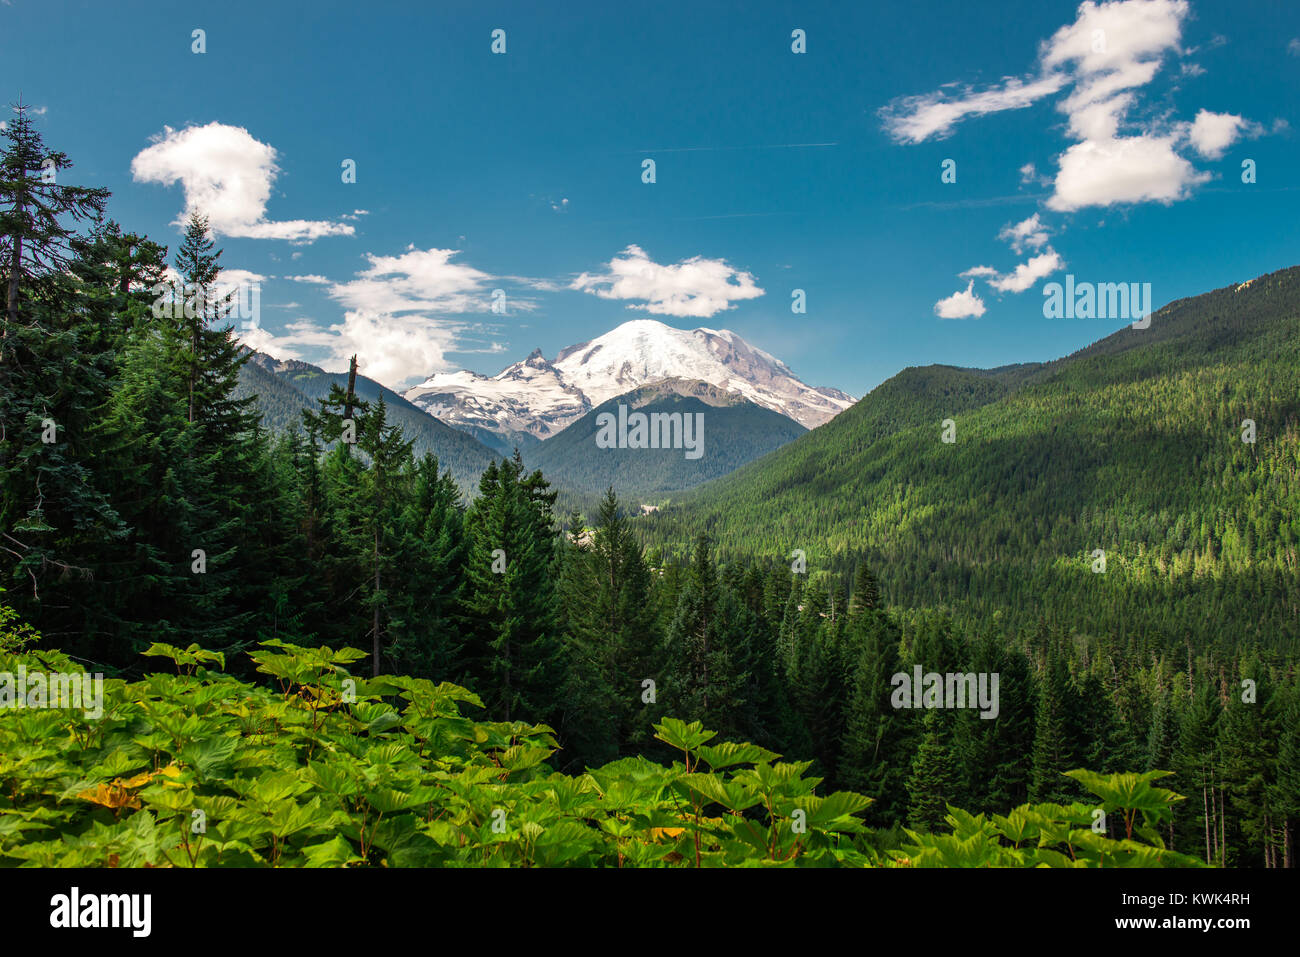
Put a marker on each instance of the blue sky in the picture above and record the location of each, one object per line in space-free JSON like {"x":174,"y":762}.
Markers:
{"x":1121,"y":126}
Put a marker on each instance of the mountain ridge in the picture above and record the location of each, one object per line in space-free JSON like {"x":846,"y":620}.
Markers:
{"x":285,"y":387}
{"x":541,"y":398}
{"x":1132,"y":446}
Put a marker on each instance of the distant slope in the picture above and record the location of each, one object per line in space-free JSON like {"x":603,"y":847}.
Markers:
{"x":1132,"y":445}
{"x":285,"y":387}
{"x":735,"y":432}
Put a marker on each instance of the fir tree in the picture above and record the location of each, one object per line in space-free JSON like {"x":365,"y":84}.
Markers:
{"x":930,"y":786}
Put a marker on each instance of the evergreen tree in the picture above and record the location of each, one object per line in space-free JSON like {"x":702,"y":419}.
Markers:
{"x":1053,"y":752}
{"x":55,"y":371}
{"x":932,"y":781}
{"x":991,"y":751}
{"x":866,"y":595}
{"x":1194,"y":760}
{"x":702,"y":683}
{"x":873,"y":757}
{"x":509,"y":611}
{"x":430,"y":575}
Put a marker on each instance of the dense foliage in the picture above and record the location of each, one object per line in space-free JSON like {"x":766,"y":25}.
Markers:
{"x":283,"y":389}
{"x":1133,"y":446}
{"x":732,"y":433}
{"x":199,"y":769}
{"x":144,"y":506}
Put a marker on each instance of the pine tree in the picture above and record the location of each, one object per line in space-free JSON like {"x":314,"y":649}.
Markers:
{"x":873,"y":758}
{"x":866,"y":595}
{"x":932,"y":782}
{"x":376,"y":521}
{"x":1053,"y":752}
{"x":1194,"y":765}
{"x":991,"y":751}
{"x":1247,"y":745}
{"x":55,"y":371}
{"x":34,"y":210}
{"x":702,"y":683}
{"x":430,"y":581}
{"x":509,"y":610}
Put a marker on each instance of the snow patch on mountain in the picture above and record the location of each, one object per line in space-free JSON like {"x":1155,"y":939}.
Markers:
{"x":542,"y":398}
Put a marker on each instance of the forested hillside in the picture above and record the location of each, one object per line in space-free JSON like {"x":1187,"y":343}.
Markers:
{"x":732,"y":432}
{"x":283,"y":389}
{"x":146,"y":509}
{"x":1133,"y":446}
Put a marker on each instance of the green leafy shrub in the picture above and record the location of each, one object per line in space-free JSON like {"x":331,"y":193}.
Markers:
{"x":323,"y":768}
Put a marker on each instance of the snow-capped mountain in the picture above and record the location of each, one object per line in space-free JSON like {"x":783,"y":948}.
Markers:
{"x":526,"y":398}
{"x":540,"y":398}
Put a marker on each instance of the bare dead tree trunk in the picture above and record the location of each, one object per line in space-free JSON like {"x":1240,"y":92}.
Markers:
{"x":352,"y":384}
{"x":15,"y":270}
{"x":1223,"y":824}
{"x":376,"y":618}
{"x":1205,"y":800}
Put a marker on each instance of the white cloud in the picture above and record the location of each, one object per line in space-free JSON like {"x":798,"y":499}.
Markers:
{"x":390,"y":349}
{"x":979,"y":272}
{"x":1109,"y":52}
{"x":230,"y":280}
{"x":1293,"y":47}
{"x":697,"y":287}
{"x":913,"y":119}
{"x":227,"y":175}
{"x":1027,"y":234}
{"x":396,"y":316}
{"x":1028,"y":273}
{"x":961,"y":305}
{"x":1212,"y":133}
{"x":1127,"y":170}
{"x":416,"y":280}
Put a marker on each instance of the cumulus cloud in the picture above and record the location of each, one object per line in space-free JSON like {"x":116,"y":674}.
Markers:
{"x":1133,"y":169}
{"x":239,"y":283}
{"x":397,"y":316}
{"x":1027,"y":234}
{"x":1028,"y":273}
{"x":696,"y":288}
{"x":963,"y":304}
{"x":416,"y":280}
{"x":1110,"y":51}
{"x":393,"y":350}
{"x":1212,"y":133}
{"x":227,"y":175}
{"x":1293,"y":47}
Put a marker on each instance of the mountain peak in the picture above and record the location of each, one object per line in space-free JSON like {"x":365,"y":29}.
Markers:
{"x":542,"y":397}
{"x":643,"y":351}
